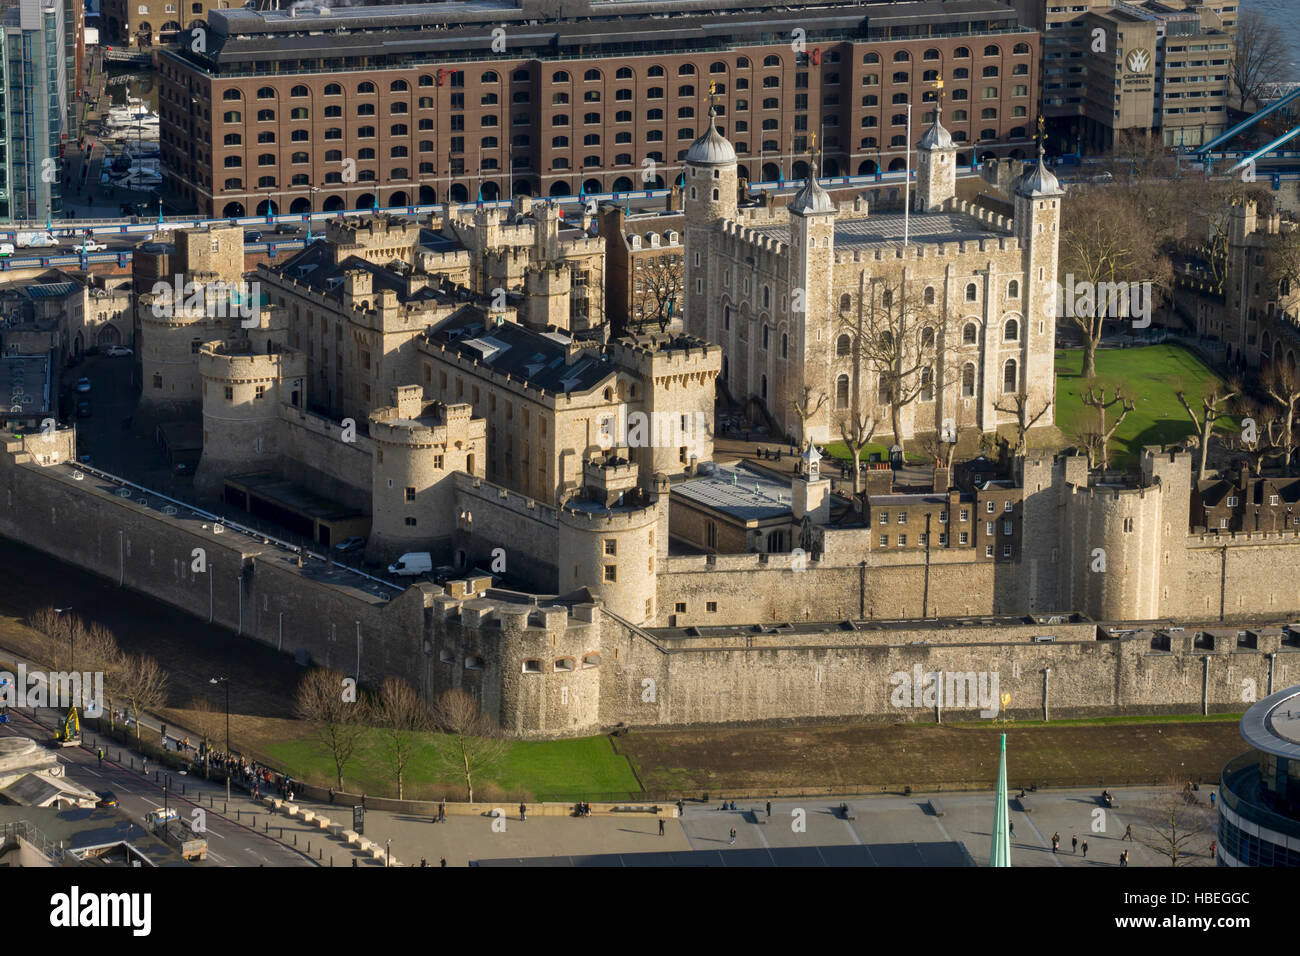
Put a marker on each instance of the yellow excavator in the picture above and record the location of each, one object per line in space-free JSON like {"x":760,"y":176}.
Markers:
{"x":68,"y":734}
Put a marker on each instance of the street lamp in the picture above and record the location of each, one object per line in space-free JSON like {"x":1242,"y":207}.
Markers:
{"x":388,"y":845}
{"x":226,"y":681}
{"x":72,"y":637}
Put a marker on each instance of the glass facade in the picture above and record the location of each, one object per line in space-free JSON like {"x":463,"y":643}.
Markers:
{"x":35,"y":106}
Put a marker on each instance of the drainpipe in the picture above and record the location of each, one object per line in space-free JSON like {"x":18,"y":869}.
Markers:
{"x":239,"y":586}
{"x":1205,"y":688}
{"x":358,"y":652}
{"x":1272,"y":662}
{"x":121,"y":558}
{"x":279,"y":646}
{"x":1047,"y":675}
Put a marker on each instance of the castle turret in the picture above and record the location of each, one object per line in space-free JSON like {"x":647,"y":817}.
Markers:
{"x":811,"y":493}
{"x":1036,"y":224}
{"x":710,"y":186}
{"x":812,"y":259}
{"x":547,"y":291}
{"x":936,"y":167}
{"x":613,"y":538}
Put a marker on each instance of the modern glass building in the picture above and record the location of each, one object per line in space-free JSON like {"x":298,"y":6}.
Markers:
{"x":1259,"y":806}
{"x":35,"y":102}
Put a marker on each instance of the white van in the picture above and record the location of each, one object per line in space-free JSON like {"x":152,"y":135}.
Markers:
{"x":6,"y":249}
{"x":411,"y":564}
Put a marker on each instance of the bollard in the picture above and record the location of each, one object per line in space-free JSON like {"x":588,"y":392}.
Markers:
{"x":321,"y":855}
{"x":295,"y":839}
{"x":309,"y":847}
{"x":224,"y":807}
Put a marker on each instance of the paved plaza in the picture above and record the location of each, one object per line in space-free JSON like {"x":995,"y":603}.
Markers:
{"x":794,"y":823}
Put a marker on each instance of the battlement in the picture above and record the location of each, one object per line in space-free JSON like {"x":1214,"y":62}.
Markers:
{"x":741,"y":234}
{"x":659,"y":354}
{"x":238,"y":362}
{"x":470,"y":490}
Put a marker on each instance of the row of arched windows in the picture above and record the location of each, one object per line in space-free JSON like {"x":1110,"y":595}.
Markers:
{"x":1010,"y":384}
{"x":971,"y":294}
{"x":961,"y":53}
{"x":969,"y":336}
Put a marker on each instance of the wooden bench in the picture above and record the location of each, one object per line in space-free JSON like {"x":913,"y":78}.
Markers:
{"x":936,"y":807}
{"x":846,"y":812}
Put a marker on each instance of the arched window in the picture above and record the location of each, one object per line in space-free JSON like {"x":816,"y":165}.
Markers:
{"x":927,"y":338}
{"x":842,"y":392}
{"x":1011,"y":331}
{"x":846,"y":302}
{"x":1010,"y":378}
{"x":968,"y":380}
{"x":970,"y":334}
{"x":559,"y":76}
{"x":927,"y":384}
{"x":1013,"y":289}
{"x":928,"y":296}
{"x":843,"y":346}
{"x":230,"y":95}
{"x":972,"y":292}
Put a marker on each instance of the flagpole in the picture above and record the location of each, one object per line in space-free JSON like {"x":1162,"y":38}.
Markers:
{"x":907,"y":181}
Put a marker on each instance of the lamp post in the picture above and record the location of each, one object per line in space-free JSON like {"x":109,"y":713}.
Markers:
{"x":72,"y":637}
{"x":226,"y":681}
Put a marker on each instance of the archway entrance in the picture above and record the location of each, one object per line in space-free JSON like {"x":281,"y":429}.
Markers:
{"x":300,"y":205}
{"x":560,"y":188}
{"x":428,"y":195}
{"x":267,"y":207}
{"x":491,"y":192}
{"x":334,"y":204}
{"x":233,"y":210}
{"x":771,"y":172}
{"x":365,"y":201}
{"x":459,"y":193}
{"x":867,"y":167}
{"x":398,"y":198}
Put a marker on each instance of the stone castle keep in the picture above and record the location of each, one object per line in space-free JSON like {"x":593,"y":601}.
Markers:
{"x":385,"y":390}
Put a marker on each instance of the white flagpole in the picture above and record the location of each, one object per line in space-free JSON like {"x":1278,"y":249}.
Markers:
{"x":907,"y":182}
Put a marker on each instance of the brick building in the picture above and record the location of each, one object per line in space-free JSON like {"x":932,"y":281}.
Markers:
{"x":358,"y":106}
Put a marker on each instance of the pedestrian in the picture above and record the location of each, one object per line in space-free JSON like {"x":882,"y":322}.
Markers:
{"x":331,"y":794}
{"x":1211,"y":799}
{"x":733,"y":837}
{"x":1214,"y":849}
{"x":423,"y":862}
{"x":1056,"y":841}
{"x":100,"y":755}
{"x":1011,"y":826}
{"x":442,"y":811}
{"x":523,"y":812}
{"x":1085,"y":849}
{"x":354,"y":861}
{"x":144,"y":766}
{"x":1128,"y":832}
{"x":1074,"y":844}
{"x":661,"y":826}
{"x":769,"y":808}
{"x":681,"y":808}
{"x":363,"y":801}
{"x":444,"y":862}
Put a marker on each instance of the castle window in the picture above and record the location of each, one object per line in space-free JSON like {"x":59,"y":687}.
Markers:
{"x":972,"y":292}
{"x":1010,"y":376}
{"x":157,"y":380}
{"x":1013,"y":289}
{"x":410,"y":494}
{"x":1232,"y":502}
{"x":785,"y":341}
{"x":846,"y":303}
{"x":1008,"y":505}
{"x":943,"y":539}
{"x":437,"y":462}
{"x":473,"y":663}
{"x":680,"y":607}
{"x":927,"y":384}
{"x":564,"y":664}
{"x":964,"y":537}
{"x":969,"y":334}
{"x":230,"y":393}
{"x":1007,"y":525}
{"x":611,"y":572}
{"x":843,"y":346}
{"x":992,"y":506}
{"x":410,"y":522}
{"x":446,"y":657}
{"x":988,"y":550}
{"x":260,"y":392}
{"x":1011,"y":331}
{"x":611,"y":547}
{"x":884,"y":517}
{"x":532,"y":667}
{"x":884,"y":540}
{"x":1006,"y":551}
{"x":902,"y":517}
{"x":928,"y":296}
{"x":902,"y":541}
{"x":842,"y":392}
{"x":590,"y":660}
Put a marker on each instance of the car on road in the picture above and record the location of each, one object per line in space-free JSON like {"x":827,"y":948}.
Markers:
{"x":353,"y":543}
{"x":107,"y":798}
{"x":286,"y":228}
{"x":83,"y":385}
{"x":83,"y":408}
{"x":6,"y":249}
{"x":118,"y":350}
{"x":90,"y":245}
{"x":252,"y":237}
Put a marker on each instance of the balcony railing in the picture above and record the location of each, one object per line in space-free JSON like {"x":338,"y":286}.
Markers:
{"x":1241,"y":781}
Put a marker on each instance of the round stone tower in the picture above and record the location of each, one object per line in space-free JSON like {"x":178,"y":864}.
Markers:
{"x":614,"y":537}
{"x":171,"y":333}
{"x":243,"y":387}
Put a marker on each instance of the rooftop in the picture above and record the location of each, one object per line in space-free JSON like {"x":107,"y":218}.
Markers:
{"x":538,"y":358}
{"x":887,"y":230}
{"x":24,"y":385}
{"x":739,"y":492}
{"x":1273,"y":724}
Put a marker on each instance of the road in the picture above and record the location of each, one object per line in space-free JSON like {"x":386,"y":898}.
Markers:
{"x":231,"y":842}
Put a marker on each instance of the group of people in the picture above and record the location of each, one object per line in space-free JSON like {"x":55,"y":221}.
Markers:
{"x":582,"y":810}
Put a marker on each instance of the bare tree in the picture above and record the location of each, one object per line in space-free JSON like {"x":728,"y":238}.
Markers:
{"x":857,"y":431}
{"x":894,"y":334}
{"x":1105,"y":251}
{"x":1214,"y":404}
{"x":1283,"y":387}
{"x":143,"y":685}
{"x":327,"y":703}
{"x":806,"y":409}
{"x":1174,"y":822}
{"x":660,"y":280}
{"x":468,"y":745}
{"x":207,"y":721}
{"x":1024,"y":420}
{"x":1259,"y":56}
{"x":1260,"y":437}
{"x":404,"y":719}
{"x":1097,"y":441}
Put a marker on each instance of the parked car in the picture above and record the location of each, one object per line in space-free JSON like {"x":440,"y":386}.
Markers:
{"x":286,"y":228}
{"x":107,"y":798}
{"x":90,"y":245}
{"x":118,"y":350}
{"x":353,"y":543}
{"x":252,"y":237}
{"x":6,"y":249}
{"x":83,"y":385}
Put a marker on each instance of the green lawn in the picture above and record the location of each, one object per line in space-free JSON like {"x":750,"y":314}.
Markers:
{"x":837,"y":449}
{"x":1151,"y":375}
{"x":558,"y":769}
